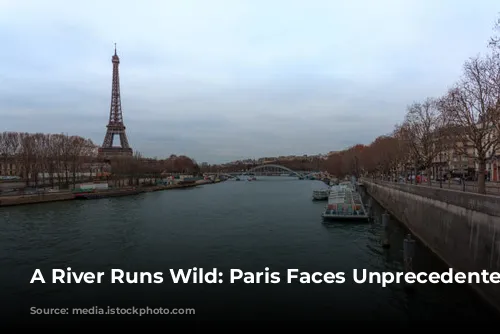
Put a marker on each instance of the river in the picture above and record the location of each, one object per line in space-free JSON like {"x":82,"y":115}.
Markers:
{"x":271,"y":222}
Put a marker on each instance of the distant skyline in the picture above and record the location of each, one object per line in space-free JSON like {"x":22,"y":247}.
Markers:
{"x":227,"y":80}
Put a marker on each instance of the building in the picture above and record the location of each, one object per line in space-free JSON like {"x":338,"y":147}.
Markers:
{"x":493,"y":154}
{"x":452,"y":162}
{"x":9,"y":167}
{"x":492,"y":168}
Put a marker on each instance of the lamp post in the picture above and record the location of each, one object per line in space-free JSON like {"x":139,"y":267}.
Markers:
{"x":440,"y":171}
{"x":463,"y":179}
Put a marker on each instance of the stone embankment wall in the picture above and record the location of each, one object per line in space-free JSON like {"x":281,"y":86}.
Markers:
{"x":65,"y":196}
{"x":462,"y":228}
{"x":32,"y":199}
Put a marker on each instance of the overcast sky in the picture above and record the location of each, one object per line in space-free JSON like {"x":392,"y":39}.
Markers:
{"x":223,"y":80}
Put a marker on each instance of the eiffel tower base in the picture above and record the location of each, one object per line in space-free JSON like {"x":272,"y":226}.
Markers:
{"x":108,"y":152}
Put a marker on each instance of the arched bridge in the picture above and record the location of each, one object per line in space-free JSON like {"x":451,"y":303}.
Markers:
{"x":272,"y":169}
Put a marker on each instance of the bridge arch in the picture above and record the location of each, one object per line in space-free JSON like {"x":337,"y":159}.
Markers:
{"x":273,"y":166}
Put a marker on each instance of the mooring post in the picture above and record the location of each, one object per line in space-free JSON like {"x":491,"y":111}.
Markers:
{"x":368,"y":208}
{"x":385,"y":233}
{"x":409,"y":254}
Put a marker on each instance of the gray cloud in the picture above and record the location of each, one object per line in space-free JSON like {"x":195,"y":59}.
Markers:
{"x":223,"y":80}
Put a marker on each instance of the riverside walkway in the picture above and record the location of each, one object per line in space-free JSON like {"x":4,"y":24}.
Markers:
{"x":492,"y":188}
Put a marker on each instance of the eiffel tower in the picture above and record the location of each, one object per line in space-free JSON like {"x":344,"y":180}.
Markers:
{"x":115,"y":125}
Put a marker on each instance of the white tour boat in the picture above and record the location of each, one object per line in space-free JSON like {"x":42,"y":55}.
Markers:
{"x":344,"y":203}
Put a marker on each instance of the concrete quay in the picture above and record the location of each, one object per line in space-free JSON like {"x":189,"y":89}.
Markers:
{"x":34,"y":199}
{"x":68,"y":195}
{"x":462,"y":228}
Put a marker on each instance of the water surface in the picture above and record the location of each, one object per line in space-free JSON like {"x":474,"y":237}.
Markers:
{"x":233,"y":225}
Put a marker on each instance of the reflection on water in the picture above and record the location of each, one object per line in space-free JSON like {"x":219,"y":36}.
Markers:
{"x":271,"y":222}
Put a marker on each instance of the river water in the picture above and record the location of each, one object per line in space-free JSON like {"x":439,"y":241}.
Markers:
{"x":270,"y":223}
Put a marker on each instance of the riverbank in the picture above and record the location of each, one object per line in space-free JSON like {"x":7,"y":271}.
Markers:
{"x":33,"y":199}
{"x":68,"y":196}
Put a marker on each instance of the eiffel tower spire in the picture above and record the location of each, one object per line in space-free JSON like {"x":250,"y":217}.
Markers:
{"x":115,"y":125}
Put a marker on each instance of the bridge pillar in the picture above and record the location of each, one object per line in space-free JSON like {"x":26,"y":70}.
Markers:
{"x":409,"y":253}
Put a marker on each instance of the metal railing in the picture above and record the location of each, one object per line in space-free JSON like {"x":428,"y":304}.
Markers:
{"x":492,"y":188}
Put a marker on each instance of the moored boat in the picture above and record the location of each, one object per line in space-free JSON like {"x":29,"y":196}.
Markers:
{"x":344,"y":203}
{"x":190,"y":180}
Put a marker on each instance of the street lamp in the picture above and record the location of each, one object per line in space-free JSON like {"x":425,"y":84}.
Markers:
{"x":440,"y":171}
{"x":463,"y":177}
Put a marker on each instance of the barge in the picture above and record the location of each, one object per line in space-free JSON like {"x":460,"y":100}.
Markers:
{"x":344,"y":203}
{"x":188,"y":180}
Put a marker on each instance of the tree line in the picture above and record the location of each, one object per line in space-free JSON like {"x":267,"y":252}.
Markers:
{"x":62,"y":159}
{"x":464,"y":123}
{"x":58,"y":156}
{"x":133,"y":169}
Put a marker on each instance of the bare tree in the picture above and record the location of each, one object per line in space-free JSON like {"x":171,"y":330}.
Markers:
{"x":45,"y":155}
{"x":422,"y":124}
{"x":138,"y":168}
{"x":9,"y":146}
{"x":57,"y":149}
{"x":66,"y":157}
{"x":52,"y":157}
{"x":472,"y":109}
{"x":403,"y":152}
{"x":77,"y":147}
{"x":495,"y":40}
{"x":3,"y":149}
{"x":27,"y":155}
{"x":88,"y":156}
{"x":38,"y":156}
